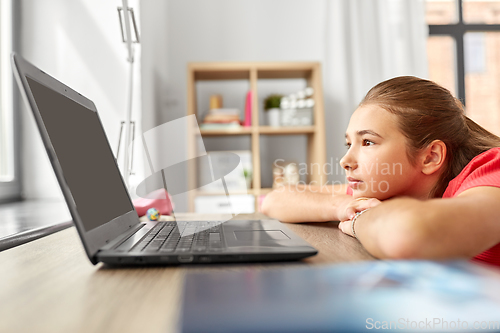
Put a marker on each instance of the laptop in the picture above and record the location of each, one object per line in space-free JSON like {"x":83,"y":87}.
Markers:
{"x":101,"y":207}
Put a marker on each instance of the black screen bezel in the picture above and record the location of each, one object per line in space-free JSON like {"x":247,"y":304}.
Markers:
{"x":95,"y":238}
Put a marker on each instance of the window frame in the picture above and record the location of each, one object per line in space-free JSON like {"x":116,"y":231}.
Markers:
{"x":10,"y":190}
{"x":457,"y":31}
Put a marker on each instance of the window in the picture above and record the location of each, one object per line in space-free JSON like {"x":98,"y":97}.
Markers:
{"x":9,"y":177}
{"x":464,"y":54}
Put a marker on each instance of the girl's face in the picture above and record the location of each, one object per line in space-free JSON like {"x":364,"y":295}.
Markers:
{"x":376,"y":161}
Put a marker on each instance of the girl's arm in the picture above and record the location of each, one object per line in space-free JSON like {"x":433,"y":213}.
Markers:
{"x":307,"y":203}
{"x":404,"y":228}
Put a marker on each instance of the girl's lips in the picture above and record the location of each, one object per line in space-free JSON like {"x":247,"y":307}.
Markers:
{"x":354,"y":183}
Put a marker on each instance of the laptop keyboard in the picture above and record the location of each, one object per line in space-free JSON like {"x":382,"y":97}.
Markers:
{"x":179,"y":237}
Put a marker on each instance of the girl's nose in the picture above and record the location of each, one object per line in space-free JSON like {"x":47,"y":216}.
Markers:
{"x":348,"y":163}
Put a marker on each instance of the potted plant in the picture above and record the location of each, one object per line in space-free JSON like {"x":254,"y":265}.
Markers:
{"x":272,"y":108}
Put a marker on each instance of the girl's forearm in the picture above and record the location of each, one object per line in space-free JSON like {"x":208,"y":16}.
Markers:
{"x":393,"y":230}
{"x":289,"y":204}
{"x":405,"y":228}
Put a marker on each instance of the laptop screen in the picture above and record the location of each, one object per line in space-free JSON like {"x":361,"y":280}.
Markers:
{"x":86,"y":159}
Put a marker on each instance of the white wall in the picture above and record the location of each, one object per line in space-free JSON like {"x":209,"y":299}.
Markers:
{"x":79,"y":43}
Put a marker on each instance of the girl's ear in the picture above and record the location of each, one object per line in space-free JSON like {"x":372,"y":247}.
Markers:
{"x":433,"y":157}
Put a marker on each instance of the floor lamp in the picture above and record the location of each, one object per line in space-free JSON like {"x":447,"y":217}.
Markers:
{"x":128,"y":16}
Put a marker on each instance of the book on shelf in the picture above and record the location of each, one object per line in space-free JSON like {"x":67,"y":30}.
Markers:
{"x":222,"y":116}
{"x":220,"y":126}
{"x":225,"y":111}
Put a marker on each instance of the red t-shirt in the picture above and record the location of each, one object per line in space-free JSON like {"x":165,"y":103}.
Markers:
{"x":482,"y":170}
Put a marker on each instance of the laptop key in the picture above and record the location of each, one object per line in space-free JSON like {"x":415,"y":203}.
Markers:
{"x":214,"y":236}
{"x":165,"y":231}
{"x":154,"y":245}
{"x":149,"y":249}
{"x":167,"y":249}
{"x":171,"y":243}
{"x":157,"y":227}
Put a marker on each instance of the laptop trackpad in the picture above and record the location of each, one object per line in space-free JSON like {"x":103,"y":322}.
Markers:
{"x":254,"y":235}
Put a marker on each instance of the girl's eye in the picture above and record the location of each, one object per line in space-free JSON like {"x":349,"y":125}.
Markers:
{"x":368,"y":142}
{"x":348,"y":145}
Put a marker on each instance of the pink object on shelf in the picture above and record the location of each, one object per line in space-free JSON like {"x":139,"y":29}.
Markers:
{"x":248,"y":110}
{"x":159,"y":199}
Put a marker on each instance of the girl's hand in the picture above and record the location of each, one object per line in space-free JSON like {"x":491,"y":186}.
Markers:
{"x":357,"y":205}
{"x":352,"y":208}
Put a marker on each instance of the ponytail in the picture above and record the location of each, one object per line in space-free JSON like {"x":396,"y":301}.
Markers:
{"x":480,"y":138}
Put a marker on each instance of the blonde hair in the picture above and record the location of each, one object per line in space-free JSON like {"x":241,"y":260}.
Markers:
{"x":426,"y":112}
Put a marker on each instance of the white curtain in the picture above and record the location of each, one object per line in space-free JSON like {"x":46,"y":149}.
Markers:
{"x":368,"y":41}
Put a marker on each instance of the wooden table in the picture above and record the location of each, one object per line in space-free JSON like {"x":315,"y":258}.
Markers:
{"x":49,"y":285}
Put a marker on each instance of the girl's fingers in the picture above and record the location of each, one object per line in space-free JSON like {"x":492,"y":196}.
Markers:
{"x":350,"y":212}
{"x":357,"y":206}
{"x":360,"y":205}
{"x":345,"y":227}
{"x":365,"y":204}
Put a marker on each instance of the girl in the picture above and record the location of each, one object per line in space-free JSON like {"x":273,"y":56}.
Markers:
{"x":423,"y":179}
